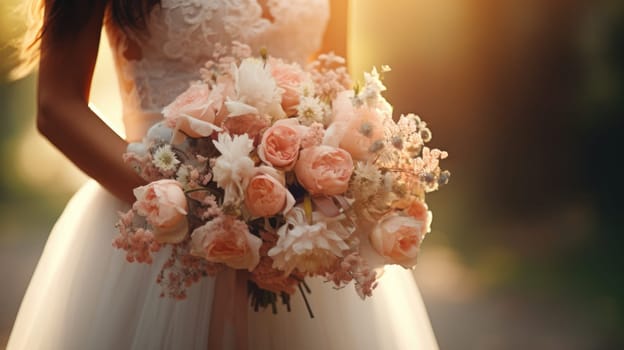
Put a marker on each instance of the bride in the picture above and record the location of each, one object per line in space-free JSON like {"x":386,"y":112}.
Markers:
{"x":83,"y":294}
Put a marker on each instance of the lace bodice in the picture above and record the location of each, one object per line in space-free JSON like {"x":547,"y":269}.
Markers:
{"x":158,"y":64}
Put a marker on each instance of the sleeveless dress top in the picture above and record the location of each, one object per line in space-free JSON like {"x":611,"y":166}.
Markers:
{"x":157,"y":64}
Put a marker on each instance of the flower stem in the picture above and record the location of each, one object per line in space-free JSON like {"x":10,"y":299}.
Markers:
{"x":305,"y":299}
{"x":307,"y":207}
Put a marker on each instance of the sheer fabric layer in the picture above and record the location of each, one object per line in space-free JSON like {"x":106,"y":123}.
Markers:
{"x":84,"y":295}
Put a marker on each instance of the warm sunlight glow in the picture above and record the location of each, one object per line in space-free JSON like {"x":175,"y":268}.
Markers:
{"x":42,"y":165}
{"x":105,"y":99}
{"x":407,"y":31}
{"x":442,"y":275}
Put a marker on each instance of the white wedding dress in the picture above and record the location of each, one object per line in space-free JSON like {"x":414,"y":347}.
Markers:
{"x":84,"y":295}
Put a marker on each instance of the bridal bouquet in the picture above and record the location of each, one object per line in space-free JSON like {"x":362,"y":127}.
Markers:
{"x":283,"y":171}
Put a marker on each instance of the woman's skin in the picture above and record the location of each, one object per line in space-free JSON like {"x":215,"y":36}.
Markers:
{"x":64,"y":117}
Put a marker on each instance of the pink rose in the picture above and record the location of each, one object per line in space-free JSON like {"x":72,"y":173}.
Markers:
{"x":397,"y":238}
{"x":265,"y":196}
{"x":164,"y":206}
{"x":324,"y":170}
{"x":227,"y":240}
{"x":354,"y":129}
{"x":225,"y":88}
{"x":280,"y":144}
{"x":194,"y":111}
{"x":288,"y":77}
{"x":342,"y":111}
{"x":193,"y":102}
{"x":419,"y":211}
{"x":250,"y":124}
{"x":363,"y":130}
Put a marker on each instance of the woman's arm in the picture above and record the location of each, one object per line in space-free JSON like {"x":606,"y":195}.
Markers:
{"x":335,"y":38}
{"x":65,"y":71}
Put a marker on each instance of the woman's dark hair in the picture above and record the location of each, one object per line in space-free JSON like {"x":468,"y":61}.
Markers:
{"x":72,"y":15}
{"x":131,"y":13}
{"x":128,"y":14}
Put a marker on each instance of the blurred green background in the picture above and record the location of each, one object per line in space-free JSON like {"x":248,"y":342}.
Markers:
{"x":528,"y":98}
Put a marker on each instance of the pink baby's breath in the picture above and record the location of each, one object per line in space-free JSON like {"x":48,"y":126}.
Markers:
{"x":313,"y":135}
{"x":144,"y":166}
{"x":138,"y":243}
{"x":182,"y":270}
{"x":330,"y":75}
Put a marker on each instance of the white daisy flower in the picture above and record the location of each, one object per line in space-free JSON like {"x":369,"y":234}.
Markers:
{"x":310,"y":110}
{"x":183,"y":176}
{"x":367,"y":180}
{"x":165,"y":159}
{"x":307,"y":88}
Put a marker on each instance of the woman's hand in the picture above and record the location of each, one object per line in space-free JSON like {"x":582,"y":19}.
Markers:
{"x":66,"y":68}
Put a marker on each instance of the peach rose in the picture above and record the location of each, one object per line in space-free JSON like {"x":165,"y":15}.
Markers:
{"x":324,"y":170}
{"x":280,"y":144}
{"x":397,"y":238}
{"x":164,"y":206}
{"x":419,"y":211}
{"x":363,"y":130}
{"x":250,"y":124}
{"x":342,"y":110}
{"x":354,"y":129}
{"x":194,"y":111}
{"x":288,"y":77}
{"x":225,"y":88}
{"x":227,"y":240}
{"x":265,"y":196}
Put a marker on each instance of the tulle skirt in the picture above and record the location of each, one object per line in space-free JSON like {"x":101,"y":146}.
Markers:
{"x":84,"y":295}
